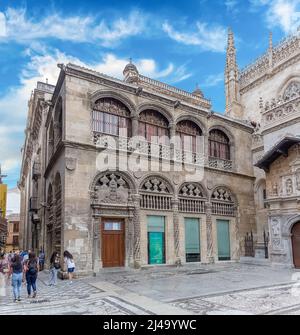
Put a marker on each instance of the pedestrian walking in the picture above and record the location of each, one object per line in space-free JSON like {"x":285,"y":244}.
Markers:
{"x":16,"y":270}
{"x":70,"y":264}
{"x":4,"y":273}
{"x":54,"y":267}
{"x":41,"y":259}
{"x":31,"y":267}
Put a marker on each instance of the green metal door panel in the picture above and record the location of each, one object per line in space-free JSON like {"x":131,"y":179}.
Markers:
{"x":156,"y":248}
{"x":156,"y":239}
{"x":223,"y":240}
{"x":192,"y":240}
{"x":192,"y":235}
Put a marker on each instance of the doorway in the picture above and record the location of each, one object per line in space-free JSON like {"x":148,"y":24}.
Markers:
{"x":192,"y":240}
{"x":296,"y":244}
{"x":113,"y":243}
{"x":156,"y":239}
{"x":223,"y":240}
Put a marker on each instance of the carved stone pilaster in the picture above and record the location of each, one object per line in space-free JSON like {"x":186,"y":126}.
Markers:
{"x":130,"y":240}
{"x":237,"y":251}
{"x":210,"y":255}
{"x":96,"y":246}
{"x":176,"y":229}
{"x":137,"y":231}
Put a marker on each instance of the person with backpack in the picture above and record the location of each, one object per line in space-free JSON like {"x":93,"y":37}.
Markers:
{"x":54,"y":267}
{"x":31,"y":267}
{"x":70,"y":264}
{"x":16,"y":270}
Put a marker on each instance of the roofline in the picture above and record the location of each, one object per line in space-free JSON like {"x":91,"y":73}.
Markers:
{"x":280,"y":148}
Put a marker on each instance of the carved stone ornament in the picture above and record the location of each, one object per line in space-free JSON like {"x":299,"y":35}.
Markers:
{"x":71,"y":163}
{"x":289,"y":186}
{"x":275,"y":226}
{"x":298,"y":180}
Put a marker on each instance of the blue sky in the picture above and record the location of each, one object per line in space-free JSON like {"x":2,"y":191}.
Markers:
{"x":179,"y":42}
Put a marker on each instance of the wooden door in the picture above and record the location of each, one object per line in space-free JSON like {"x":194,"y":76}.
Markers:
{"x":296,"y":244}
{"x":113,"y":243}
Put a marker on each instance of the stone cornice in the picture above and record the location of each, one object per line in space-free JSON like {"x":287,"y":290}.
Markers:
{"x":280,"y":126}
{"x":260,"y":79}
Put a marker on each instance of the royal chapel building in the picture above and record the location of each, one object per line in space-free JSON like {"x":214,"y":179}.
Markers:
{"x":134,"y":172}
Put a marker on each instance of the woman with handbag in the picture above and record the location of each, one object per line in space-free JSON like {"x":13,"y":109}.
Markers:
{"x":31,"y":268}
{"x":54,"y":267}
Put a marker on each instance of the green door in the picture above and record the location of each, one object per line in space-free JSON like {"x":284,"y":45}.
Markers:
{"x":223,"y":240}
{"x":156,"y":239}
{"x":192,"y":240}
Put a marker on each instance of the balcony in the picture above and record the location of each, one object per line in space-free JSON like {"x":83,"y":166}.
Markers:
{"x":221,"y":164}
{"x":33,"y":204}
{"x":160,"y":151}
{"x":36,"y":170}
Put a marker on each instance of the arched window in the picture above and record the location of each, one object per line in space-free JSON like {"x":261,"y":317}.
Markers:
{"x":191,"y":198}
{"x":223,"y":202}
{"x":154,"y":127}
{"x":187,"y":133}
{"x":111,"y":117}
{"x":156,"y":193}
{"x":219,"y":146}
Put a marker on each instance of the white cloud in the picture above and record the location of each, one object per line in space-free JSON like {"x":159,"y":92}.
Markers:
{"x":20,"y":28}
{"x":213,"y":80}
{"x":13,"y":201}
{"x":284,"y":14}
{"x":208,"y":38}
{"x":232,"y":6}
{"x":13,"y":106}
{"x":2,"y":25}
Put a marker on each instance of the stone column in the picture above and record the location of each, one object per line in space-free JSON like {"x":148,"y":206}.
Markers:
{"x":210,"y":250}
{"x":135,"y":126}
{"x":176,"y":231}
{"x":96,"y":259}
{"x":137,"y":231}
{"x":130,"y":239}
{"x":237,"y":252}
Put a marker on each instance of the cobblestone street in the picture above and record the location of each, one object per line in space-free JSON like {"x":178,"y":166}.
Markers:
{"x":216,"y":289}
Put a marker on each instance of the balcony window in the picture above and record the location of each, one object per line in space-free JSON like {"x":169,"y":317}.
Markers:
{"x":154,"y":127}
{"x":111,"y":117}
{"x":188,"y":133}
{"x":219,"y":146}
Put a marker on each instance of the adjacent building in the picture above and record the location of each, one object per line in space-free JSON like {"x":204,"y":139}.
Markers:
{"x":13,"y":227}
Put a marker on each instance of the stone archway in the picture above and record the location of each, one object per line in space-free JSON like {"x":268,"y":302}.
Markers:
{"x":296,"y":244}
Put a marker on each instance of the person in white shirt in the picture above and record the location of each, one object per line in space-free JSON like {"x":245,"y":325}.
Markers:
{"x":70,"y":264}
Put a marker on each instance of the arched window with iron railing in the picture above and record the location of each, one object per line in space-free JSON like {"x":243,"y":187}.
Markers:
{"x":219,"y":145}
{"x":111,"y":117}
{"x":154,"y":127}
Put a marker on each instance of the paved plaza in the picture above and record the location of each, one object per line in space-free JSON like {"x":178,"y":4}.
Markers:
{"x":227,"y":288}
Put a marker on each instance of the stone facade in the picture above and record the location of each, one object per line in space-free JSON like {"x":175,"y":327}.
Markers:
{"x":75,"y":192}
{"x":69,"y":189}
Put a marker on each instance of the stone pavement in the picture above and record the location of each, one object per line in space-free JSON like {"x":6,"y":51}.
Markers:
{"x":225,"y":288}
